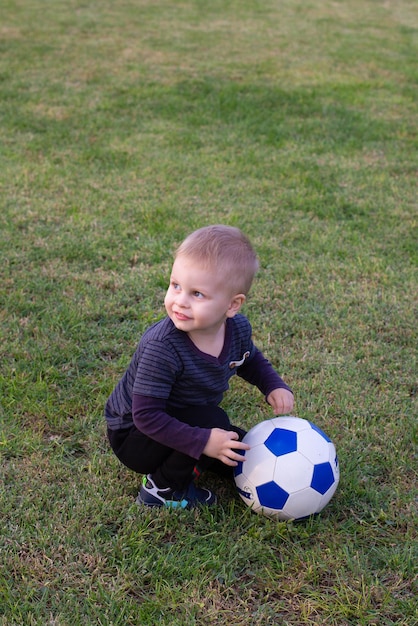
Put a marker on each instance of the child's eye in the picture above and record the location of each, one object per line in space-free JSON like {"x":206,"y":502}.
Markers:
{"x":175,"y":286}
{"x":198,"y":294}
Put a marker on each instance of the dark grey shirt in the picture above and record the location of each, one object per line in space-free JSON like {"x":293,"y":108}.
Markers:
{"x":169,"y":369}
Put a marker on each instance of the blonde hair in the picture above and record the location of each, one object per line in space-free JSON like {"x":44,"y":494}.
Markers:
{"x":226,"y":250}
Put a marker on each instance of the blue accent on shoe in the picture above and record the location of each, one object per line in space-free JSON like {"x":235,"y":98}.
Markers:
{"x":175,"y":504}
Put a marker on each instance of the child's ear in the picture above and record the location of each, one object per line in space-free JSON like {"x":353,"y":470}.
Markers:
{"x":235,"y":304}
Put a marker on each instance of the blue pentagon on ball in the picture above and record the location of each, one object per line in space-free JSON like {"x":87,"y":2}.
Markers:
{"x":281,"y":441}
{"x":323,"y":477}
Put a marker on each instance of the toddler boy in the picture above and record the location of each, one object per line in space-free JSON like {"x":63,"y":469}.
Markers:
{"x":163,"y":417}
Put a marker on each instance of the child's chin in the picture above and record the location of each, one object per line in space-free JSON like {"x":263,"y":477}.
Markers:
{"x":181,"y":324}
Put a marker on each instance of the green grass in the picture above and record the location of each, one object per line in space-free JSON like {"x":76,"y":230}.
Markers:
{"x":123,"y":126}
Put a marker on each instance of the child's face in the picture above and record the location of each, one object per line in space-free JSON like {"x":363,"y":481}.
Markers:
{"x":197,"y":299}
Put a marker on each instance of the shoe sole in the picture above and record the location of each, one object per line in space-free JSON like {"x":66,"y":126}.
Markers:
{"x":168,"y":504}
{"x":173,"y":504}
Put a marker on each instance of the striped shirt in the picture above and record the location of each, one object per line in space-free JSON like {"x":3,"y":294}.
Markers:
{"x":167,"y":366}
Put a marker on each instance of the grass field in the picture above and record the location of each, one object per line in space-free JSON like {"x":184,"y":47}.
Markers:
{"x":124,"y":126}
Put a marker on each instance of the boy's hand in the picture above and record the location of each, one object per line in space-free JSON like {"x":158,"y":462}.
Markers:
{"x":281,"y":400}
{"x":221,"y":446}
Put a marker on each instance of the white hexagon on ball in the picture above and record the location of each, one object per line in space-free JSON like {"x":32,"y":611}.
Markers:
{"x":257,"y":463}
{"x":299,"y":502}
{"x":313,"y":446}
{"x":293,"y":472}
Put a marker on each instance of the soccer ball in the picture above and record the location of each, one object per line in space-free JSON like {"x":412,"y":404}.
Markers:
{"x":291,"y":470}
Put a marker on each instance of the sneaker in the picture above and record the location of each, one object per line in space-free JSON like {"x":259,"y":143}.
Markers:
{"x":192,"y":496}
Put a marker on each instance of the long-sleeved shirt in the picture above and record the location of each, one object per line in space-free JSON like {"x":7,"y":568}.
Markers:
{"x":168,"y":371}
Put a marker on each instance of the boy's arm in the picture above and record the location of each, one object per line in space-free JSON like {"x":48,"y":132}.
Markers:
{"x":259,"y":371}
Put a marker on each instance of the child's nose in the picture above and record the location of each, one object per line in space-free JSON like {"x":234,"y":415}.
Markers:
{"x":181,"y":299}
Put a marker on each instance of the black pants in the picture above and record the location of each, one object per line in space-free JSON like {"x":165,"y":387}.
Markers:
{"x":168,"y":467}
